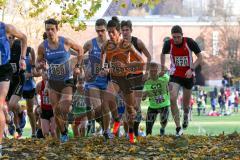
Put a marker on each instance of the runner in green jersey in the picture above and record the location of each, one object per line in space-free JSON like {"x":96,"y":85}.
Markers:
{"x":156,"y":89}
{"x":79,"y":111}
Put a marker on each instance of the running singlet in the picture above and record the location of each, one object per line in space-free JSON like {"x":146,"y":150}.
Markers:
{"x":15,"y":56}
{"x":45,"y":104}
{"x":29,"y":83}
{"x":181,"y":59}
{"x":78,"y":105}
{"x":95,"y":60}
{"x":4,"y":45}
{"x":121,"y":53}
{"x":157,"y":91}
{"x":58,"y":61}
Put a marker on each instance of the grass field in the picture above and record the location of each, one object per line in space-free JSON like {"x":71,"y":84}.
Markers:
{"x":200,"y":125}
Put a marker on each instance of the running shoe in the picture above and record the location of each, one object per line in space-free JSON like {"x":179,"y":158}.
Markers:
{"x":179,"y":131}
{"x":64,"y":138}
{"x":162,"y":132}
{"x":107,"y":136}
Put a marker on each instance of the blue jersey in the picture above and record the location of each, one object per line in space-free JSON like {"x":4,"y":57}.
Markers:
{"x":4,"y":45}
{"x":93,"y":67}
{"x":58,"y":61}
{"x":94,"y":59}
{"x":29,"y":83}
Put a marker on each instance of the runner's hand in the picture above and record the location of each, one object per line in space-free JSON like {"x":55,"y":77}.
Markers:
{"x":22,"y":64}
{"x":103,"y":72}
{"x":76,"y":71}
{"x":189,"y":73}
{"x":42,"y":64}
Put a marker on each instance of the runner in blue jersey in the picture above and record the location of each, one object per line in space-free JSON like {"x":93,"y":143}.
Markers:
{"x":25,"y":87}
{"x":95,"y":84}
{"x":29,"y":88}
{"x":5,"y":67}
{"x":55,"y":52}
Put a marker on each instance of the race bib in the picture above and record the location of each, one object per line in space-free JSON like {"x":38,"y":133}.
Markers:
{"x":14,"y":67}
{"x":57,"y":69}
{"x":181,"y":61}
{"x":159,"y":99}
{"x":79,"y":102}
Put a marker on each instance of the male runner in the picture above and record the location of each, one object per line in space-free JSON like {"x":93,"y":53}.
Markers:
{"x":55,"y":51}
{"x":126,"y":30}
{"x":181,"y":72}
{"x":123,"y":61}
{"x":5,"y":67}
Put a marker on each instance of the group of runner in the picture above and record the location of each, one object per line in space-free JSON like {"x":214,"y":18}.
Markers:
{"x":106,"y":76}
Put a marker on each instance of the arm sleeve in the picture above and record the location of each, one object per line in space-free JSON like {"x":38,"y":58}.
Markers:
{"x":166,"y":47}
{"x":193,"y":46}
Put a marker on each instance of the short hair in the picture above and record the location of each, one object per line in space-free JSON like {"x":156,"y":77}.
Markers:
{"x":114,"y":22}
{"x":127,"y":23}
{"x":176,"y":29}
{"x":153,"y":64}
{"x":52,"y":21}
{"x":101,"y":22}
{"x":44,"y":35}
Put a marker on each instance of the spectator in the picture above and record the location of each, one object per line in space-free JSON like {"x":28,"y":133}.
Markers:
{"x":192,"y":101}
{"x":201,"y":105}
{"x":236,"y":102}
{"x":213,"y":103}
{"x":221,"y":102}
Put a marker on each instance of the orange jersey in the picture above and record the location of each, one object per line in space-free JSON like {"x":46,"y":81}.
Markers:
{"x":123,"y":59}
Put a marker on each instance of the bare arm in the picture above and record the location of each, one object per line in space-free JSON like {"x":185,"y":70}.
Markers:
{"x":198,"y":61}
{"x":143,"y":48}
{"x":40,"y":57}
{"x":33,"y":57}
{"x":34,"y":72}
{"x":103,"y":55}
{"x":71,"y":44}
{"x":87,"y":46}
{"x":10,"y":29}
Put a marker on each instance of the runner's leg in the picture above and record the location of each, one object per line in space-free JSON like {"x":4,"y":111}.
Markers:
{"x":31,"y":115}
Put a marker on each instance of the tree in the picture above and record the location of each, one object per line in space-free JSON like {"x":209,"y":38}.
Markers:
{"x":227,"y":25}
{"x":73,"y":12}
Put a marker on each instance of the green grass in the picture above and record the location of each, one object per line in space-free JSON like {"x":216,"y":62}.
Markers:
{"x":200,"y":125}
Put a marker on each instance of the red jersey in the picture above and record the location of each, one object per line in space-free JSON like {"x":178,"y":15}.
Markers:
{"x":181,"y":59}
{"x":44,"y":98}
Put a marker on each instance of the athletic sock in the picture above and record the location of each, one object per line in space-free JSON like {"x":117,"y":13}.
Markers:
{"x":131,"y":135}
{"x":116,"y":126}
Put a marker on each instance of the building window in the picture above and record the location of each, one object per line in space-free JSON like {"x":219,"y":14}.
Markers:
{"x":215,"y":43}
{"x":232,"y":47}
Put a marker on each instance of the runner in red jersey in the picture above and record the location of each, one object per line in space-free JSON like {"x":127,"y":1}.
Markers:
{"x":181,"y":72}
{"x":46,"y":110}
